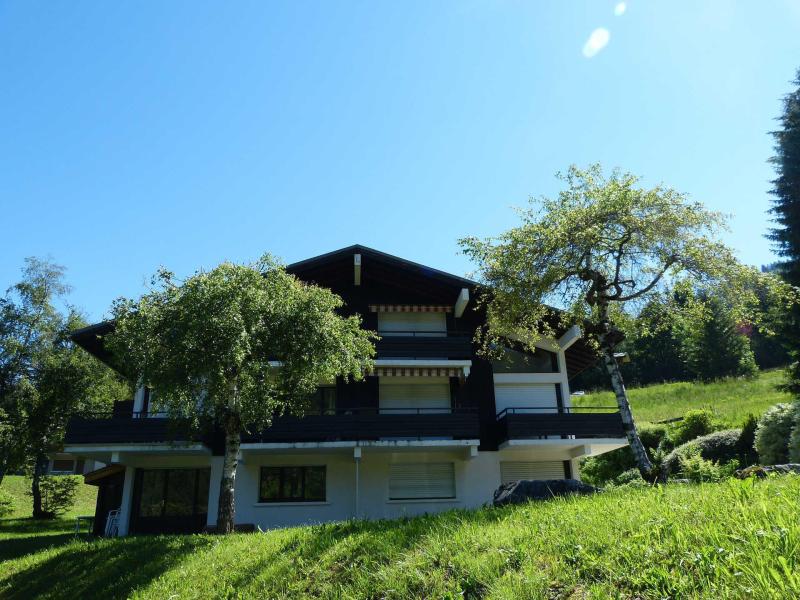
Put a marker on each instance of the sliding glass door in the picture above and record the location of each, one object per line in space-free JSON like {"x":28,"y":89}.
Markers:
{"x":170,"y":500}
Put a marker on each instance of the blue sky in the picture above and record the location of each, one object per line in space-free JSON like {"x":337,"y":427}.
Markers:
{"x":135,"y":134}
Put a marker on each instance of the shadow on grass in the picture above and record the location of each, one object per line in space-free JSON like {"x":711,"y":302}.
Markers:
{"x":111,"y":568}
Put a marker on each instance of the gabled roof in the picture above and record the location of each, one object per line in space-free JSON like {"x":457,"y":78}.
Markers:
{"x":381,"y":257}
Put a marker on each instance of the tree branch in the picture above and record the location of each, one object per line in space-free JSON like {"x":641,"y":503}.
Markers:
{"x":650,"y":285}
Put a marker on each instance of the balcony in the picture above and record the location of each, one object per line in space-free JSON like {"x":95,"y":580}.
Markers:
{"x":421,"y":345}
{"x":520,"y":423}
{"x":352,"y":424}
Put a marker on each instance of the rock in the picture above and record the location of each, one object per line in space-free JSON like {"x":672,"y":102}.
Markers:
{"x":525,"y":490}
{"x":762,"y":471}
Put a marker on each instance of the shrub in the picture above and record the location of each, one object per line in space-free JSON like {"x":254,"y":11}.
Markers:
{"x":600,"y":470}
{"x":772,"y":434}
{"x":720,"y":446}
{"x":58,"y":493}
{"x":747,"y":441}
{"x":695,"y":423}
{"x":697,"y":469}
{"x":794,"y":437}
{"x":629,"y":478}
{"x":6,"y":504}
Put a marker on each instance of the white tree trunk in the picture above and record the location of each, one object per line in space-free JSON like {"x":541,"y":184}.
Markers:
{"x":628,"y":424}
{"x":226,"y":511}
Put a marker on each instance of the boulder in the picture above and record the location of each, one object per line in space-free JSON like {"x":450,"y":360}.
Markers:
{"x":762,"y":471}
{"x":525,"y":490}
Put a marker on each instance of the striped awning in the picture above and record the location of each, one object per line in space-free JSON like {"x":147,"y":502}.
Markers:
{"x":418,"y":372}
{"x":409,"y":308}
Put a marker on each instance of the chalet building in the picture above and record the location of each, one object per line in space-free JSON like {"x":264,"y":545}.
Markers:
{"x":434,"y":427}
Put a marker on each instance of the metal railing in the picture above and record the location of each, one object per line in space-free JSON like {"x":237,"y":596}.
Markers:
{"x":527,"y":410}
{"x":360,"y":410}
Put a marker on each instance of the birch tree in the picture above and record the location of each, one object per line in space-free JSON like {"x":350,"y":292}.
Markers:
{"x":236,"y":346}
{"x":602,"y":248}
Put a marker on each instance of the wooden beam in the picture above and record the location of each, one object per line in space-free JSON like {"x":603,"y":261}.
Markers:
{"x":572,"y":335}
{"x":357,"y":269}
{"x":461,"y":302}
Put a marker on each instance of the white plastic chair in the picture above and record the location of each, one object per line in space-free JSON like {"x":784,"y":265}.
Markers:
{"x":112,"y":523}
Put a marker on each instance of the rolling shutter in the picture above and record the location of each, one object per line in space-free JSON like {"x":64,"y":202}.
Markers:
{"x":525,"y":395}
{"x":516,"y":470}
{"x":408,"y":397}
{"x":432,"y":324}
{"x":416,"y":481}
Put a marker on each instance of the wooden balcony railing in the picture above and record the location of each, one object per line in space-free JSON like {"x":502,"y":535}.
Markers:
{"x":579,"y":422}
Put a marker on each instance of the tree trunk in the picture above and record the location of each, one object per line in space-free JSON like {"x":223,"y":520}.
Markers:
{"x":628,"y":424}
{"x":226,"y":510}
{"x":39,"y":469}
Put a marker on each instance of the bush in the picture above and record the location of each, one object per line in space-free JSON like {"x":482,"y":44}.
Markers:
{"x":772,"y":434}
{"x":720,"y":446}
{"x":6,"y":504}
{"x":58,"y":493}
{"x":629,"y":478}
{"x":695,"y":423}
{"x":794,"y":437}
{"x":697,"y":469}
{"x":600,"y":470}
{"x":747,"y":441}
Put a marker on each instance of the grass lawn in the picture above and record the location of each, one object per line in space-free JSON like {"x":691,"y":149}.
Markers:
{"x":729,"y":540}
{"x":731,"y":400}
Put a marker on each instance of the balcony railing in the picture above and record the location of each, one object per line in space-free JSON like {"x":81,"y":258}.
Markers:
{"x":579,"y":422}
{"x":344,"y":424}
{"x":421,"y":344}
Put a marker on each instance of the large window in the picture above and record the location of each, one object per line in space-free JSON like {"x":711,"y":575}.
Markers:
{"x":323,"y":401}
{"x":422,"y":481}
{"x":292,"y":484}
{"x":170,"y":500}
{"x":514,"y":361}
{"x":418,"y":324}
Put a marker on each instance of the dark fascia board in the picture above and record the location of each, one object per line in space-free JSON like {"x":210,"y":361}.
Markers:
{"x":322,"y":259}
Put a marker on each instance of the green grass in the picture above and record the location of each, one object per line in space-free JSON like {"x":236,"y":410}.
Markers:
{"x":729,"y":540}
{"x":731,"y":400}
{"x":18,"y":486}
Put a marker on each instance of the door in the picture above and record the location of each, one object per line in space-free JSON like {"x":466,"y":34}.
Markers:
{"x":170,"y":500}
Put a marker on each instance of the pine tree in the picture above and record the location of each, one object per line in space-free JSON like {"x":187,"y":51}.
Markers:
{"x":786,"y":210}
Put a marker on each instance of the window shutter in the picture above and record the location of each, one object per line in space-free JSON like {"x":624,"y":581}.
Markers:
{"x":406,"y":323}
{"x":407,"y":397}
{"x":527,"y":395}
{"x":516,"y":470}
{"x":409,"y":481}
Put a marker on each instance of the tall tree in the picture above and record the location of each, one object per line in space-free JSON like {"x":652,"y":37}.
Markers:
{"x":786,"y":210}
{"x":237,"y":346}
{"x":44,"y":377}
{"x":604,"y":246}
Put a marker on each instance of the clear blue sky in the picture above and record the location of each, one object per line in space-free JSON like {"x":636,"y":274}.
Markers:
{"x":134,"y":134}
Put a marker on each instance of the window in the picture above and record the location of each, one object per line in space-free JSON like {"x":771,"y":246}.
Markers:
{"x":399,"y":397}
{"x":63,"y":465}
{"x":292,"y":484}
{"x":514,"y":361}
{"x":422,"y":481}
{"x":323,"y":401}
{"x":517,"y":470}
{"x":172,"y":492}
{"x":421,"y":324}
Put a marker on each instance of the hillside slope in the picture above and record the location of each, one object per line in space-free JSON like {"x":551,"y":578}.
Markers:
{"x":735,"y":539}
{"x":731,"y":400}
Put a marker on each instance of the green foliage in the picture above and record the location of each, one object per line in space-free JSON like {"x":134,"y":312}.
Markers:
{"x":730,"y":400}
{"x":734,"y":539}
{"x":695,"y":423}
{"x":44,"y":377}
{"x":723,"y":447}
{"x":58,"y":493}
{"x":772,"y":434}
{"x":629,"y":478}
{"x":18,"y":488}
{"x":206,"y":344}
{"x":6,"y":504}
{"x":747,"y":441}
{"x":697,"y":469}
{"x":605,"y":468}
{"x":786,"y":210}
{"x":794,"y":437}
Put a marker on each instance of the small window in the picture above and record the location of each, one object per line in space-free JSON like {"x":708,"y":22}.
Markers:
{"x":323,"y":401}
{"x":292,"y":484}
{"x":63,"y":465}
{"x":422,"y":481}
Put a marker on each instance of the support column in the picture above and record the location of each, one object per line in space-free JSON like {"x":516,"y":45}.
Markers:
{"x":357,"y":459}
{"x":126,"y":506}
{"x":213,"y":489}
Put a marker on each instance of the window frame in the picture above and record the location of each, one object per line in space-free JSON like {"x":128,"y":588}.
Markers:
{"x":282,"y":498}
